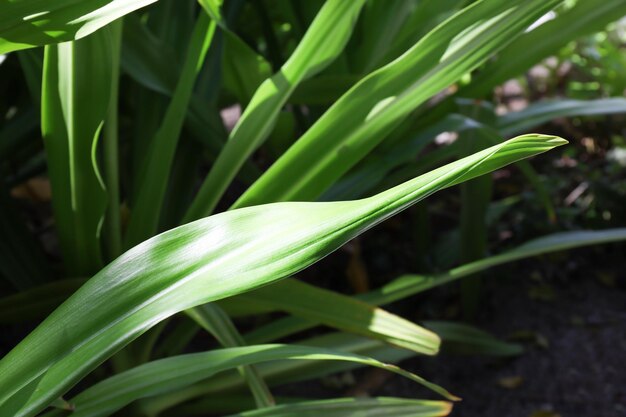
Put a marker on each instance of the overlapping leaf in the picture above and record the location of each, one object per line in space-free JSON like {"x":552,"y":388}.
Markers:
{"x":411,"y":284}
{"x":586,"y":17}
{"x":176,"y":372}
{"x":206,"y":260}
{"x":73,"y":111}
{"x":323,"y":42}
{"x":360,"y":120}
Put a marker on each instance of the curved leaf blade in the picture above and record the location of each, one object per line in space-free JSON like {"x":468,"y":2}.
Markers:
{"x":363,"y":116}
{"x":26,"y":23}
{"x":204,"y":261}
{"x":586,"y":17}
{"x":362,"y":407}
{"x":173,"y":373}
{"x":543,"y":111}
{"x":321,"y":44}
{"x":150,"y":197}
{"x":342,"y":312}
{"x":411,"y":284}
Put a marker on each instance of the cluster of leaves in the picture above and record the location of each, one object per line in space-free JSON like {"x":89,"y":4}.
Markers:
{"x":342,"y":102}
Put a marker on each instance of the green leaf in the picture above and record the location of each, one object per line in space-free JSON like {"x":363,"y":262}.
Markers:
{"x":460,"y":338}
{"x":204,"y":261}
{"x":343,"y":313}
{"x":153,"y":64}
{"x":213,"y":9}
{"x":362,"y":118}
{"x":243,"y":68}
{"x":425,"y":16}
{"x":28,"y":23}
{"x":408,"y":285}
{"x":361,"y":407}
{"x":380,"y":23}
{"x":543,"y":111}
{"x":282,"y":372}
{"x":173,"y":373}
{"x":156,"y":168}
{"x":411,"y":284}
{"x":587,"y":17}
{"x":214,"y":320}
{"x":378,"y":166}
{"x":76,"y":93}
{"x":323,"y":41}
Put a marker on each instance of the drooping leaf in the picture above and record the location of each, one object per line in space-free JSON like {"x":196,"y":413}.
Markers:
{"x":361,"y":407}
{"x":173,"y":373}
{"x":204,"y":261}
{"x":340,"y":311}
{"x":463,"y":339}
{"x":283,"y":371}
{"x":411,"y":284}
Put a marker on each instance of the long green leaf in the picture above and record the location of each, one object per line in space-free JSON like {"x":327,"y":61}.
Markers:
{"x":76,"y":93}
{"x":290,"y":406}
{"x":321,"y":44}
{"x":153,"y":177}
{"x":341,"y":312}
{"x":460,"y":338}
{"x":587,"y":17}
{"x":29,"y":23}
{"x":426,"y":15}
{"x":173,"y":373}
{"x":151,"y":63}
{"x":541,"y":112}
{"x":380,"y":23}
{"x":281,"y":372}
{"x":361,"y":407}
{"x":207,"y":260}
{"x":356,"y":123}
{"x":411,"y":284}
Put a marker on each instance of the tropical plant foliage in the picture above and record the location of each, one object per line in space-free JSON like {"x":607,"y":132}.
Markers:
{"x":168,"y":221}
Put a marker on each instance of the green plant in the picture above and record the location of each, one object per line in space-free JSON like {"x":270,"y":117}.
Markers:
{"x":129,"y":118}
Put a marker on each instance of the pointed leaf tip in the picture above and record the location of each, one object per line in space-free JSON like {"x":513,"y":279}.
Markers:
{"x":550,"y":139}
